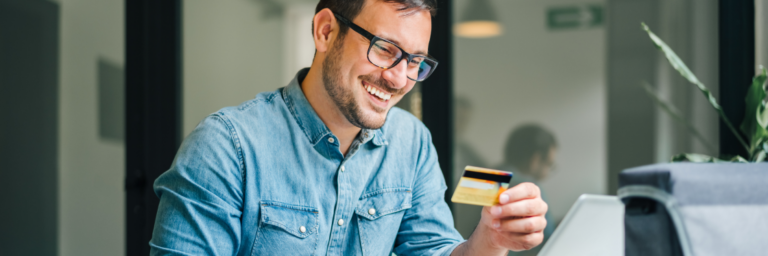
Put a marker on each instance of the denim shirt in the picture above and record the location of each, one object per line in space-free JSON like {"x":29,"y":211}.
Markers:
{"x":268,"y":178}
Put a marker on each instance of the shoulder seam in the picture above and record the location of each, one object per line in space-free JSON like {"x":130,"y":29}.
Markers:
{"x":235,"y":142}
{"x":289,"y":104}
{"x":252,"y":102}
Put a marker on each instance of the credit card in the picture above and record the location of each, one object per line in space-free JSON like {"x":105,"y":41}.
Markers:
{"x":481,"y":186}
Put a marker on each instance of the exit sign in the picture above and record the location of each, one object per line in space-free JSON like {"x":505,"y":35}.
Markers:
{"x":571,"y":17}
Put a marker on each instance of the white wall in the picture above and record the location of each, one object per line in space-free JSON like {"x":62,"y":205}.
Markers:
{"x":91,"y":198}
{"x":232,"y":51}
{"x":299,"y":46}
{"x":531,"y":74}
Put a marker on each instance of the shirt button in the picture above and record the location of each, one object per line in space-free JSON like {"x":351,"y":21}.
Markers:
{"x":371,"y":211}
{"x":342,"y":168}
{"x":331,"y":140}
{"x":303,"y":229}
{"x":341,"y":222}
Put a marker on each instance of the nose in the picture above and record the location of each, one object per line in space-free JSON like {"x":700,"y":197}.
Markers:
{"x":397,"y":75}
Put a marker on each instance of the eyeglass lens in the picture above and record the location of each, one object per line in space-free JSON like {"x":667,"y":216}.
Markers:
{"x":384,"y":54}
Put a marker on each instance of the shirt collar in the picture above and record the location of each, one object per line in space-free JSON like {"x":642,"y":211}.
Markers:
{"x":307,"y":118}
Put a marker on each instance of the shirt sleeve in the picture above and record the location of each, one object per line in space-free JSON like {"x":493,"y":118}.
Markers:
{"x":427,"y":227}
{"x":201,"y":195}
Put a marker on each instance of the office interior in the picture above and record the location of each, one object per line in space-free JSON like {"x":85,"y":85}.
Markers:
{"x":573,"y":67}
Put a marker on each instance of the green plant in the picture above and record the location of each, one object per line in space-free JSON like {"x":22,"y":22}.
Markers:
{"x":754,"y":125}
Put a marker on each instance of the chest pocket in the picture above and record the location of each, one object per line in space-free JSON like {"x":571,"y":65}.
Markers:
{"x":379,"y":216}
{"x":286,"y":229}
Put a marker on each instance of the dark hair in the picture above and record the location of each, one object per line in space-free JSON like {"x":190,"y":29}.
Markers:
{"x":351,"y":8}
{"x":525,"y":141}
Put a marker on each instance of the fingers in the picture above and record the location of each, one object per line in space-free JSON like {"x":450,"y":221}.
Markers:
{"x":523,"y":208}
{"x":522,"y":242}
{"x":520,"y":225}
{"x":525,"y":190}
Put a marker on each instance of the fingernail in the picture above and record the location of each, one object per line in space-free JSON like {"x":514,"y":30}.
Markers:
{"x":496,"y":210}
{"x":503,"y":198}
{"x":496,"y":224}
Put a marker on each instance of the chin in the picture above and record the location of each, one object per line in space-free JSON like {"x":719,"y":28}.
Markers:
{"x":374,"y":120}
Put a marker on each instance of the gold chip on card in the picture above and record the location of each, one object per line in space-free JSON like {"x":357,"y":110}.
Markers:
{"x":481,"y":186}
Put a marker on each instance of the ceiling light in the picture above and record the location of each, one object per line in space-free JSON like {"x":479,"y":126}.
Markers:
{"x":478,"y":21}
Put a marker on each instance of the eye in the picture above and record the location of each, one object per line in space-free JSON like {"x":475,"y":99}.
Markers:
{"x":382,"y":49}
{"x":415,"y":62}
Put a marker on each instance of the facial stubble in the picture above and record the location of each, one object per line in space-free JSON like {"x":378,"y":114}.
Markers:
{"x":345,"y":99}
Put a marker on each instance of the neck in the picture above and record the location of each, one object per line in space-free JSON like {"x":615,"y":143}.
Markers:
{"x":327,"y":110}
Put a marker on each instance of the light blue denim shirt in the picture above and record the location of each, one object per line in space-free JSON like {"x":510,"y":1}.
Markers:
{"x":268,"y":178}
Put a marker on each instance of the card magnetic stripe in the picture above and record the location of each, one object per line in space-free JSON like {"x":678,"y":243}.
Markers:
{"x":486,"y":176}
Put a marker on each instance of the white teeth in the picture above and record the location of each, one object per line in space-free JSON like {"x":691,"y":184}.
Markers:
{"x":382,"y":95}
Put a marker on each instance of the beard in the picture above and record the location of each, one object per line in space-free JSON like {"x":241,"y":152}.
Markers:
{"x":345,"y":99}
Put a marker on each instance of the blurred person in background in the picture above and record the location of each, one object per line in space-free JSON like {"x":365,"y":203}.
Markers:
{"x":530,"y":153}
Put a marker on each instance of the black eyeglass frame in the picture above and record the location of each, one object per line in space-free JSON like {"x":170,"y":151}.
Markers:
{"x":407,"y":56}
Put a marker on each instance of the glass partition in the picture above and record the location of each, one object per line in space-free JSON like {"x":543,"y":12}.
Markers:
{"x":543,"y":76}
{"x":554,"y":94}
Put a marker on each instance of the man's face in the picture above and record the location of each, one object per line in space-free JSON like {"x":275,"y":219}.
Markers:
{"x":348,"y":75}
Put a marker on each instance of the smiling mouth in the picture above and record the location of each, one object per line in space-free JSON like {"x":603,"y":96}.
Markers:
{"x":384,"y":96}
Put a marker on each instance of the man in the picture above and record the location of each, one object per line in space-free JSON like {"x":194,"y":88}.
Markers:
{"x":531,"y":150}
{"x":530,"y":154}
{"x":314,"y":169}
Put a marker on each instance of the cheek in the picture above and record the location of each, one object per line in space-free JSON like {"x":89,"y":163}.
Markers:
{"x":355,"y":60}
{"x":408,"y":87}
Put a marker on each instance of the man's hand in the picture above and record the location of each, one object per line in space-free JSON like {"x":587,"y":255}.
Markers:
{"x":515,"y":224}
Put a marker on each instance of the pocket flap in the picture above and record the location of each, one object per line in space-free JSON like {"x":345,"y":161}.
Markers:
{"x":290,"y":218}
{"x":384,"y":202}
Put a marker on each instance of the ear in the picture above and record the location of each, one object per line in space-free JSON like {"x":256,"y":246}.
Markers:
{"x":324,"y":30}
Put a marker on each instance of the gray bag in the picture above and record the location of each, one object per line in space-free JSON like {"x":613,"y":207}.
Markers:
{"x":695,"y":209}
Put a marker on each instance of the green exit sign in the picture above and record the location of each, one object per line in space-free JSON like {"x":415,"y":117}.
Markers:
{"x":574,"y":16}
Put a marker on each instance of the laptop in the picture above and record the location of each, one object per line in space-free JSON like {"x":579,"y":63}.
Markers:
{"x":593,"y":226}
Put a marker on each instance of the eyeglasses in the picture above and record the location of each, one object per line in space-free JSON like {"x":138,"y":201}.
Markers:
{"x":386,"y":54}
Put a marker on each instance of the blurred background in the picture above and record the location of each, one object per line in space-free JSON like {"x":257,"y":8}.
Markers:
{"x":565,"y":74}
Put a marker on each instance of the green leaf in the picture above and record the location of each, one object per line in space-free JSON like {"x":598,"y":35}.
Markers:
{"x":762,"y":116}
{"x":739,"y":159}
{"x":685,"y":72}
{"x":759,"y":147}
{"x":752,"y":125}
{"x":760,"y":156}
{"x":764,"y":152}
{"x":670,"y":110}
{"x":695,"y":158}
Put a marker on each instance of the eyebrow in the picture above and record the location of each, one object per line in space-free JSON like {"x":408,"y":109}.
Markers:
{"x":363,"y":33}
{"x":398,"y":44}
